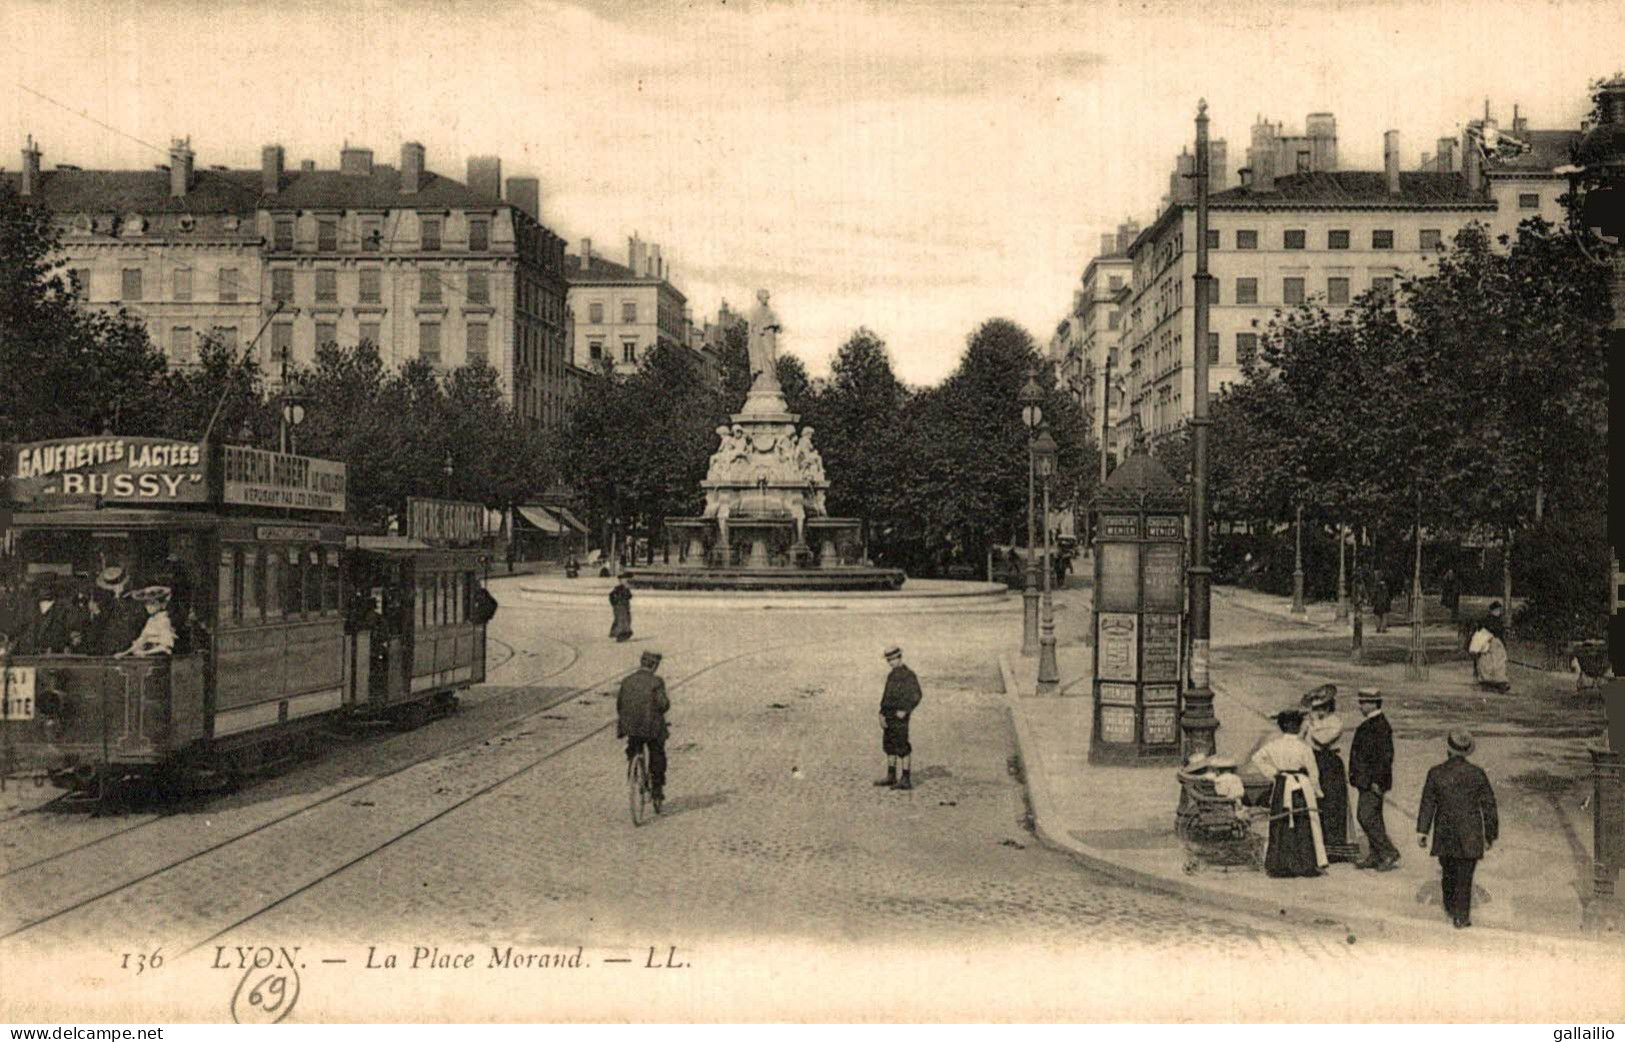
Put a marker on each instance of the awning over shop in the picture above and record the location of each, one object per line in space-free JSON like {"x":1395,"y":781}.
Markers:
{"x":538,"y":517}
{"x":569,"y":519}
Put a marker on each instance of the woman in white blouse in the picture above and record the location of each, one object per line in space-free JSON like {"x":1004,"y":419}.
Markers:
{"x":1296,"y":847}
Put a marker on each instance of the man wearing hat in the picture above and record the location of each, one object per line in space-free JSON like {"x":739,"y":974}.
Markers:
{"x":55,"y":626}
{"x":121,"y":618}
{"x":1458,"y":805}
{"x":641,"y":707}
{"x":1371,"y":774}
{"x":897,"y":704}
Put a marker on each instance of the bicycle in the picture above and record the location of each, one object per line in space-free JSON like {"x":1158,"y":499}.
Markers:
{"x":639,"y":789}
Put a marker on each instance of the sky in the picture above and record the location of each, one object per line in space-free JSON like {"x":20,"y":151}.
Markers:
{"x":915,"y":168}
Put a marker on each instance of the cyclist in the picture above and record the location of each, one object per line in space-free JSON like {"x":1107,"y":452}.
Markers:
{"x":641,"y":706}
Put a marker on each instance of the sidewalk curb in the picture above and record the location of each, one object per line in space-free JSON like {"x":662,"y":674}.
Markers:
{"x":1040,"y":800}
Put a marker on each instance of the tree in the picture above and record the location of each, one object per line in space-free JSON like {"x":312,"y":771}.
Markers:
{"x":859,"y":418}
{"x":67,"y":371}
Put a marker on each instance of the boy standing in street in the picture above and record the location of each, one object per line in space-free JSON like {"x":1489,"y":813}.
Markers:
{"x":896,"y":707}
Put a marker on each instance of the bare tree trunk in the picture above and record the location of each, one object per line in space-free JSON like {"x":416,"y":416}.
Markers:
{"x":1418,"y":669}
{"x":1506,"y":580}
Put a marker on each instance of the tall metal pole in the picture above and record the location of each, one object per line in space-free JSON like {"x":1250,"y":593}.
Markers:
{"x":1342,"y":583}
{"x":1049,"y":674}
{"x":1297,"y":569}
{"x":1029,"y":595}
{"x":1105,"y":417}
{"x":1197,"y":719}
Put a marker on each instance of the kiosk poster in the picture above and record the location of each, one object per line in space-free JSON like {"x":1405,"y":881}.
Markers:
{"x":1164,"y":572}
{"x":1119,"y":588}
{"x":1117,"y":694}
{"x":1159,"y":646}
{"x":1119,"y":651}
{"x":70,"y":472}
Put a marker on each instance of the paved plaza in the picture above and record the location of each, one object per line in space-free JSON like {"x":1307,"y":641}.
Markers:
{"x":777,"y":864}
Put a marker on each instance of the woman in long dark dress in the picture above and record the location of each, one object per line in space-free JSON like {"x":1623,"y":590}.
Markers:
{"x":1295,"y":845}
{"x":620,"y":598}
{"x":1324,"y":729}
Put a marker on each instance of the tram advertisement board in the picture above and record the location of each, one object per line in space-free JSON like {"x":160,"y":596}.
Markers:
{"x":77,"y":472}
{"x":444,"y":521}
{"x":254,"y":477}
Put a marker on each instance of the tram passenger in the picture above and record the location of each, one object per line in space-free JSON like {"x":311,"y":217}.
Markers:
{"x":55,"y":627}
{"x":121,"y":617}
{"x":157,"y":637}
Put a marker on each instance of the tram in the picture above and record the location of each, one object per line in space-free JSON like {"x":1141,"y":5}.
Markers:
{"x":169,"y":607}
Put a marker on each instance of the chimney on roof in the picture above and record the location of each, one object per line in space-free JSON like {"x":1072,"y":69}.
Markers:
{"x":412,"y":161}
{"x":525,"y":193}
{"x":356,"y":161}
{"x":1263,"y":165}
{"x":1472,"y":163}
{"x":1390,"y":159}
{"x":1127,"y":232}
{"x":307,"y":166}
{"x":1446,"y":154}
{"x":180,"y":167}
{"x":1218,"y":166}
{"x":1108,"y":245}
{"x":586,"y":254}
{"x":31,"y":158}
{"x":636,"y":252}
{"x":270,"y":169}
{"x":1428,"y":163}
{"x":1520,"y":125}
{"x":657,"y":267}
{"x":485,"y":175}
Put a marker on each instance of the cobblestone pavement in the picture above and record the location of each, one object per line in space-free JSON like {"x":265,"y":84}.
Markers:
{"x":773,"y":834}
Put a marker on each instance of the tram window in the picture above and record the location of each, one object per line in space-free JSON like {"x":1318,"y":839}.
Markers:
{"x":423,"y":602}
{"x":274,"y":565}
{"x":313,"y":582}
{"x":254,"y":587}
{"x":457,"y":612}
{"x":445,"y":600}
{"x":237,"y":579}
{"x":292,"y":591}
{"x":332,"y":598}
{"x":228,"y":584}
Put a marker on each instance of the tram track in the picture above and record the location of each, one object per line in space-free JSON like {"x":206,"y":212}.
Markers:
{"x":484,"y":736}
{"x":195,"y":804}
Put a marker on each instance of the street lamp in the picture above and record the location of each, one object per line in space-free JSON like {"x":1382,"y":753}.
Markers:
{"x":293,"y":410}
{"x":1297,"y":569}
{"x":1032,"y":414}
{"x":446,"y":472}
{"x":1597,"y":214}
{"x":1048,"y":674}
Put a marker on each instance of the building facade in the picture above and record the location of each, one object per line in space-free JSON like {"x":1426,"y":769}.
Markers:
{"x":418,"y":264}
{"x":623,"y":311}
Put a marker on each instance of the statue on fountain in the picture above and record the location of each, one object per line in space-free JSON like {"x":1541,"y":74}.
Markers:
{"x":763,"y":346}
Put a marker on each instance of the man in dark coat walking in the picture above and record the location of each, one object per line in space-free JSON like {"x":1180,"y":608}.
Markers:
{"x":1382,"y":602}
{"x":1371,"y":774}
{"x":896,"y":707}
{"x":1459,"y":806}
{"x":640,"y":708}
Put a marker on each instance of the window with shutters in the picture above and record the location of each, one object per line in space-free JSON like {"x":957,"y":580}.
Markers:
{"x":595,"y":349}
{"x":629,"y":351}
{"x":1212,"y":290}
{"x":430,"y":228}
{"x":479,"y":288}
{"x":327,"y":286}
{"x":1337,"y":291}
{"x":1382,"y":239}
{"x":1246,"y":291}
{"x":629,"y":311}
{"x":282,"y":285}
{"x":226,"y":337}
{"x":371,"y":333}
{"x":180,"y":348}
{"x":1246,"y":348}
{"x":479,"y":234}
{"x":327,"y":235}
{"x":327,"y":333}
{"x":1213,"y":349}
{"x":371,"y":280}
{"x":429,"y":287}
{"x":1114,"y":319}
{"x":477,"y":350}
{"x":595,"y":313}
{"x":1293,"y":239}
{"x":372,"y":234}
{"x":228,"y":285}
{"x":1429,"y":239}
{"x":281,"y":341}
{"x":429,"y":342}
{"x":131,"y":288}
{"x":1213,"y":238}
{"x":183,"y":283}
{"x":1528,"y":200}
{"x":1246,"y":239}
{"x":1292,"y":291}
{"x":1337,"y":239}
{"x":1383,"y":286}
{"x":284,"y":235}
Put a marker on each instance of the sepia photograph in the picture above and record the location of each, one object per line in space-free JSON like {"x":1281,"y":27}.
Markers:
{"x":891,"y":512}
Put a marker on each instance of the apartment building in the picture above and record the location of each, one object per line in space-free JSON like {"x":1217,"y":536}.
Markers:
{"x":622,"y":311}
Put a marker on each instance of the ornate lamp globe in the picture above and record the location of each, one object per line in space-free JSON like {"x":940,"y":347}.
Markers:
{"x":1044,"y":449}
{"x":1032,"y":403}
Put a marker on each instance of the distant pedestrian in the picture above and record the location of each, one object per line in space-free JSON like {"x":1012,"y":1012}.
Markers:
{"x":1371,"y":774}
{"x":897,"y":706}
{"x":620,"y":599}
{"x":1382,"y":602}
{"x":1296,"y":847}
{"x":1458,"y":806}
{"x":1489,"y":660}
{"x":1323,"y":729}
{"x":1063,"y":564}
{"x":640,"y":710}
{"x":1450,"y":593}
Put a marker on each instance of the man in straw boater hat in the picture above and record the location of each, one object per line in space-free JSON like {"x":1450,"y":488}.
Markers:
{"x":1371,"y":775}
{"x":897,"y":705}
{"x":1458,"y":805}
{"x":641,"y":707}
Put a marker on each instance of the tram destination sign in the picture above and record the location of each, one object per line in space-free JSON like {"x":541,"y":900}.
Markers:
{"x":444,"y":521}
{"x":254,"y":477}
{"x":86,"y":472}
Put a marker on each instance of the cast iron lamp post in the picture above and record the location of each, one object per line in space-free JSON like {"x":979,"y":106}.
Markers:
{"x":293,"y":410}
{"x":1297,"y":568}
{"x":1032,"y":414}
{"x":1597,"y":214}
{"x":446,"y":471}
{"x":1048,"y":673}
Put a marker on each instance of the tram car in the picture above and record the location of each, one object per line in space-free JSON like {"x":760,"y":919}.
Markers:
{"x":171,"y":607}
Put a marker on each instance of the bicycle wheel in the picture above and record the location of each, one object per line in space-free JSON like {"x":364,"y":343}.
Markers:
{"x":637,"y":786}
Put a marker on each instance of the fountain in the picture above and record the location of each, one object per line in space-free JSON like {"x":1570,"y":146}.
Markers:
{"x":765,"y":525}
